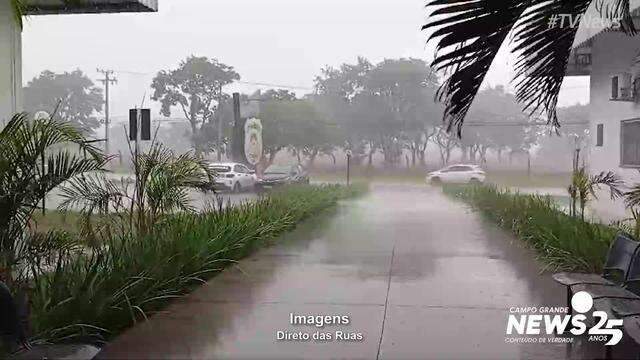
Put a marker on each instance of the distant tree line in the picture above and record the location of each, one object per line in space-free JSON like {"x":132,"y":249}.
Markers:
{"x":388,"y":108}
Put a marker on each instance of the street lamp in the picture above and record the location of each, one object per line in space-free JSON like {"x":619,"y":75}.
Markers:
{"x":349,"y":154}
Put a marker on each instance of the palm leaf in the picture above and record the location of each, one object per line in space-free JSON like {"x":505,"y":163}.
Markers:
{"x":470,"y":34}
{"x":19,"y":10}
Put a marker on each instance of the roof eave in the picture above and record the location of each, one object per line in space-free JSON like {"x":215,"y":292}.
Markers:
{"x":37,"y":7}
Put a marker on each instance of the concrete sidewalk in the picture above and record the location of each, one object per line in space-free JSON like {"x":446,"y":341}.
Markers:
{"x":418,"y":275}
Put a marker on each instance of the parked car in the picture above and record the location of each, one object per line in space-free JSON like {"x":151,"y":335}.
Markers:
{"x":457,"y":174}
{"x":233,"y":176}
{"x":276,"y":175}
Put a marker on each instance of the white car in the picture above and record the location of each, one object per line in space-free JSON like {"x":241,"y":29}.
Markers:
{"x":457,"y":174}
{"x":233,"y":176}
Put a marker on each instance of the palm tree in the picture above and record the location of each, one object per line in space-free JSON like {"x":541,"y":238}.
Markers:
{"x":33,"y":163}
{"x":469,"y":35}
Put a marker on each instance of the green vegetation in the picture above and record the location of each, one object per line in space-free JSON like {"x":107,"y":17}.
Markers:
{"x":93,"y":294}
{"x":34,"y":162}
{"x":562,"y":242}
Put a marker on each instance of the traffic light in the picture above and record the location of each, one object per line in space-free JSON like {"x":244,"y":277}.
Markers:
{"x":145,"y":125}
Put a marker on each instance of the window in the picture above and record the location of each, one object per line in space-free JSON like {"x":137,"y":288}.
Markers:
{"x":630,"y":143}
{"x":599,"y":135}
{"x":459,"y":168}
{"x":239,"y":169}
{"x":583,"y":59}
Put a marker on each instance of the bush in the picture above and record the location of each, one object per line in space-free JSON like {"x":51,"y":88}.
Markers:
{"x":100,"y":292}
{"x":563,"y":243}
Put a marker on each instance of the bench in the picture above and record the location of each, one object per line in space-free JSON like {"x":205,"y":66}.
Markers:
{"x":615,"y":273}
{"x":615,"y":290}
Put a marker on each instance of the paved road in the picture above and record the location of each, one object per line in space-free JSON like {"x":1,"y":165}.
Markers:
{"x":198,"y":199}
{"x":420,"y":277}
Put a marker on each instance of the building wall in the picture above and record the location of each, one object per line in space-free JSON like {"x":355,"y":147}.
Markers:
{"x":613,"y":53}
{"x":10,"y":63}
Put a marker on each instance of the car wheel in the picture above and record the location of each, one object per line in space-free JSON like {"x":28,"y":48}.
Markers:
{"x":237,"y":188}
{"x":475,"y":181}
{"x":436,"y":181}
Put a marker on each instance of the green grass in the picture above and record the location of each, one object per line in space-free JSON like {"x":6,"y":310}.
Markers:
{"x":55,"y":220}
{"x":417,"y":176}
{"x":95,"y":296}
{"x":522,"y":179}
{"x":561,"y":242}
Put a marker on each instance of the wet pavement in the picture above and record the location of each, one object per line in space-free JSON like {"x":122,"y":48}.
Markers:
{"x":418,"y":275}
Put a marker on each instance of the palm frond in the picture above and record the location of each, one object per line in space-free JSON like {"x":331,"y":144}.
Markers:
{"x":608,"y":179}
{"x":19,"y":10}
{"x":469,"y":35}
{"x":543,"y":52}
{"x":632,"y":196}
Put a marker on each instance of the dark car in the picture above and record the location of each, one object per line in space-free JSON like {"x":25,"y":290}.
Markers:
{"x":276,"y":175}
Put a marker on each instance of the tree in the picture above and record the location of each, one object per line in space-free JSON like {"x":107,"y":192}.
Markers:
{"x":24,"y":181}
{"x":558,"y":148}
{"x":402,"y":90}
{"x":298,"y":126}
{"x":381,"y":107}
{"x":336,"y":90}
{"x":499,"y":123}
{"x":195,"y":87}
{"x":469,"y":35}
{"x":79,"y":100}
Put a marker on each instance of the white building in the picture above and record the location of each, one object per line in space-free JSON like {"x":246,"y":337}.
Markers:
{"x":612,"y":61}
{"x":11,"y":44}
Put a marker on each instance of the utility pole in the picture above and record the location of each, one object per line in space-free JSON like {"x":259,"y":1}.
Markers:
{"x":108,"y":80}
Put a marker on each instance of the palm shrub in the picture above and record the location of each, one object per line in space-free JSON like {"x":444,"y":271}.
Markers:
{"x":32,"y":165}
{"x":584,"y":187}
{"x":128,"y":277}
{"x":163,"y":181}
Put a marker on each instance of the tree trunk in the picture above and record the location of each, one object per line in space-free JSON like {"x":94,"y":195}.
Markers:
{"x":312,"y":158}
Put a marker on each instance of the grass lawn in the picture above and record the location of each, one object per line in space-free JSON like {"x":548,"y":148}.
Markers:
{"x":55,"y":220}
{"x":417,"y":176}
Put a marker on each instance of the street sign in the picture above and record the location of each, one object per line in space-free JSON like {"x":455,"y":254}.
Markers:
{"x":41,"y":115}
{"x":253,"y":141}
{"x":145,"y":124}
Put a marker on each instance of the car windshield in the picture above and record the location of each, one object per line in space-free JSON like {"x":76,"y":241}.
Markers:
{"x":220,"y":168}
{"x":278,"y":170}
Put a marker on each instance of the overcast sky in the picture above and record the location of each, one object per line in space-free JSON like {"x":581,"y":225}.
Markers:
{"x":282,"y":42}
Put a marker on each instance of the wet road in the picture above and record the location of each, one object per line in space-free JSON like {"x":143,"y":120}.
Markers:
{"x":199,"y":200}
{"x":418,"y":275}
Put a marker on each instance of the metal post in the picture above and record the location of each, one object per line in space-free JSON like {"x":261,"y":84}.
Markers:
{"x":348,"y":167}
{"x":44,"y":196}
{"x":236,"y":141}
{"x":219,"y":140}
